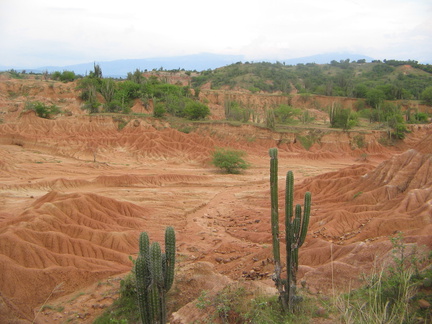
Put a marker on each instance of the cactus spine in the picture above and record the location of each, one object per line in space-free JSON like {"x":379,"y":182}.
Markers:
{"x":296,"y":225}
{"x":154,"y":277}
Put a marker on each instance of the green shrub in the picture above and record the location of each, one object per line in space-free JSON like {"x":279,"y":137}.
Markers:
{"x":421,"y":117}
{"x":375,"y":97}
{"x":159,"y":110}
{"x":399,"y":131}
{"x":108,"y":89}
{"x":342,"y":118}
{"x":195,"y":110}
{"x":92,"y":106}
{"x":227,"y":305}
{"x":234,"y":111}
{"x":65,"y":76}
{"x":359,"y":105}
{"x":284,"y":113}
{"x":306,"y":117}
{"x":426,"y":96}
{"x":359,"y":141}
{"x":113,"y":106}
{"x":125,"y":308}
{"x":174,"y":104}
{"x":229,"y":160}
{"x":270,"y":119}
{"x":43,"y":110}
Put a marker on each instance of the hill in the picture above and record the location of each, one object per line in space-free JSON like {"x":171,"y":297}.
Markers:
{"x":393,"y":79}
{"x":196,"y":62}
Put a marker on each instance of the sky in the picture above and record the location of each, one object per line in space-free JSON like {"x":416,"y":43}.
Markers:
{"x":35,"y":33}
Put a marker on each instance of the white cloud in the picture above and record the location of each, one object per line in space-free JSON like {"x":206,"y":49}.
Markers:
{"x":49,"y":32}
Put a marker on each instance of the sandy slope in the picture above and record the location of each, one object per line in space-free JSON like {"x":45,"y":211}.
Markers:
{"x":75,"y":193}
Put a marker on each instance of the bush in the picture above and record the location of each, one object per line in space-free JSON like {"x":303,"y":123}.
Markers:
{"x":65,"y":76}
{"x":174,"y":104}
{"x":43,"y":110}
{"x":285,"y":114}
{"x":375,"y":97}
{"x":421,"y":117}
{"x":159,"y":110}
{"x":426,"y":96}
{"x":270,"y":120}
{"x":196,"y":110}
{"x":342,"y":118}
{"x":229,"y":160}
{"x":233,"y":111}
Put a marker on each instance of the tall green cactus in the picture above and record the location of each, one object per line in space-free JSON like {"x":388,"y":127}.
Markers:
{"x":296,"y":225}
{"x":154,"y":277}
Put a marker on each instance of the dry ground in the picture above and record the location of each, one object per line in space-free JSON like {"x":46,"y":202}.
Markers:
{"x":75,"y":193}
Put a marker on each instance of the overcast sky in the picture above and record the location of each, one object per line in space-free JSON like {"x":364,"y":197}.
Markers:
{"x":37,"y":33}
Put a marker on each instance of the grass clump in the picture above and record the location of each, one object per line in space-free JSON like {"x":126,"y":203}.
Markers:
{"x":236,"y":303}
{"x":125,"y":308}
{"x":390,"y":295}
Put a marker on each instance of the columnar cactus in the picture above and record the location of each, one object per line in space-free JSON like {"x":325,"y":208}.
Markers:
{"x":296,"y":226}
{"x":154,"y":277}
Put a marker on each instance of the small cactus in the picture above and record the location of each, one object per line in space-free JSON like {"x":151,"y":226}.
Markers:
{"x":154,"y":277}
{"x":296,"y":225}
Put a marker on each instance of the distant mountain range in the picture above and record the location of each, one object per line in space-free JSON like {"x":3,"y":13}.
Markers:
{"x":198,"y":62}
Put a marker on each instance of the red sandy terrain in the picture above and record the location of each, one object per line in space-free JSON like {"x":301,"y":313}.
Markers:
{"x":75,"y":192}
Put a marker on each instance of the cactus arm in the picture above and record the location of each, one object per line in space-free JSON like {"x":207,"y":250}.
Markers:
{"x":156,"y":264}
{"x":297,"y":224}
{"x":289,"y":196}
{"x":306,"y":216}
{"x":144,"y":243}
{"x":274,"y":203}
{"x":141,"y":271}
{"x":154,"y":303}
{"x":164,"y":267}
{"x":289,"y":234}
{"x":170,"y":241}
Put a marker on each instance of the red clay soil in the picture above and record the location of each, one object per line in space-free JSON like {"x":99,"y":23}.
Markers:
{"x":76,"y":191}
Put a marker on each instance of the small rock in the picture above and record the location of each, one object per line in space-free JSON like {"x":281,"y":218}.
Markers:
{"x":424,"y":304}
{"x":320,"y":312}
